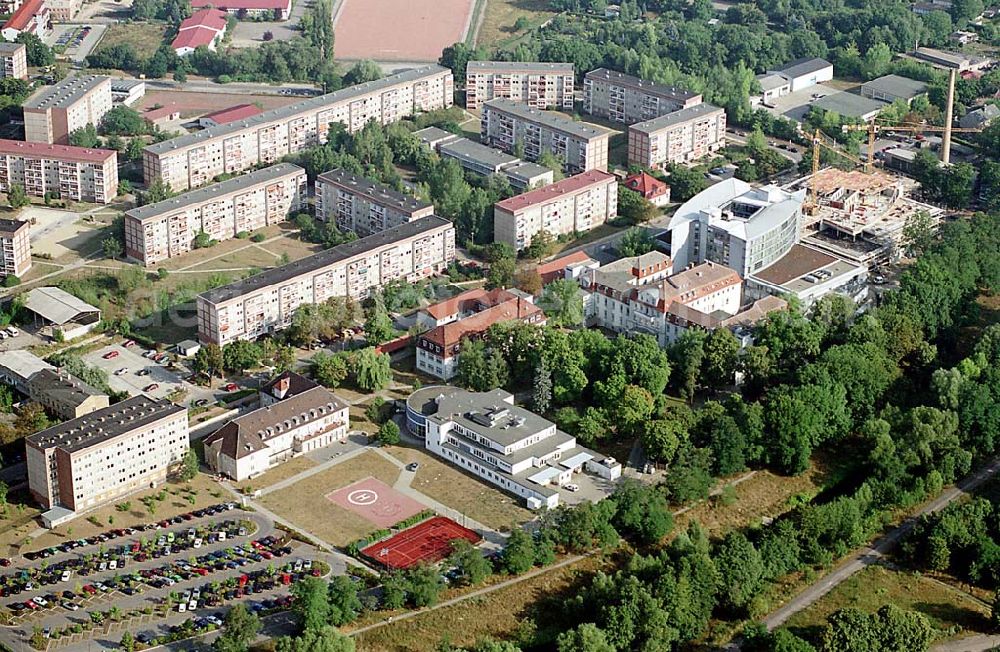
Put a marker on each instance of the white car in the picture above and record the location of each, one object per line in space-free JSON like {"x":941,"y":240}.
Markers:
{"x":122,"y":371}
{"x":182,"y":607}
{"x":192,"y":605}
{"x":65,"y":576}
{"x":13,"y":332}
{"x":40,"y":601}
{"x":197,"y":543}
{"x":572,"y":487}
{"x":113,"y":564}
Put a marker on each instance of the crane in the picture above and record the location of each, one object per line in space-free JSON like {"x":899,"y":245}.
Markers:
{"x":818,"y":142}
{"x":874,"y":128}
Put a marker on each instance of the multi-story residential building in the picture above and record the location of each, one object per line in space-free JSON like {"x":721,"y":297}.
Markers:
{"x":242,"y":204}
{"x":15,"y":247}
{"x":680,"y":137}
{"x":541,"y":85}
{"x":63,"y":10}
{"x":486,"y":435}
{"x":574,"y":205}
{"x":364,"y":206}
{"x":76,"y":173}
{"x":13,"y":60}
{"x":189,"y":161}
{"x":509,"y":126}
{"x":485,"y":161}
{"x":95,"y":459}
{"x":626,"y":99}
{"x":736,"y":225}
{"x":286,"y":427}
{"x":467,"y":315}
{"x":63,"y":395}
{"x":265,"y":303}
{"x":54,"y":112}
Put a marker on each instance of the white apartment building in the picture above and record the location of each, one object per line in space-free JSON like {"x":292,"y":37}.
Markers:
{"x":736,"y":225}
{"x":486,"y":435}
{"x":75,"y":173}
{"x":193,"y":159}
{"x":510,"y":126}
{"x":541,"y":85}
{"x":14,"y":60}
{"x":285,"y":427}
{"x":680,"y":137}
{"x":95,"y":459}
{"x":574,"y":205}
{"x":364,"y":206}
{"x":15,"y":248}
{"x":265,"y":303}
{"x":54,"y":112}
{"x":618,"y":97}
{"x":242,"y":204}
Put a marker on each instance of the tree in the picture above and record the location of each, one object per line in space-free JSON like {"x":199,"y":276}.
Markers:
{"x":209,"y":361}
{"x":203,"y":241}
{"x":690,"y":475}
{"x":85,"y":137}
{"x":741,"y":571}
{"x":635,"y":242}
{"x":721,"y":356}
{"x":553,"y":162}
{"x":687,"y":355}
{"x":641,"y":513}
{"x":586,"y":637}
{"x":363,"y":71}
{"x":472,"y":567}
{"x":37,"y":53}
{"x":16,"y":197}
{"x":311,"y":605}
{"x":330,"y":370}
{"x":501,"y":273}
{"x":634,"y":207}
{"x":284,"y":359}
{"x":890,"y":629}
{"x":661,"y":437}
{"x":190,"y":465}
{"x":239,"y":630}
{"x":388,"y":433}
{"x":424,"y":585}
{"x":918,"y":232}
{"x":562,"y":302}
{"x":112,"y":247}
{"x":479,"y":368}
{"x":322,"y":639}
{"x":240,"y":355}
{"x":519,"y":555}
{"x":527,"y":279}
{"x":541,"y":395}
{"x":127,"y":643}
{"x":31,"y":418}
{"x":378,"y":324}
{"x":345,"y":605}
{"x":685,"y":182}
{"x":123,"y":120}
{"x":371,"y":369}
{"x":541,"y":245}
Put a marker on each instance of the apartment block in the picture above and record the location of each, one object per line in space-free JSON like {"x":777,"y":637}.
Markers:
{"x":680,"y":137}
{"x":541,"y":85}
{"x":508,"y":126}
{"x":364,"y":206}
{"x":626,"y":99}
{"x":76,"y":173}
{"x":51,"y":114}
{"x":265,"y":303}
{"x":574,"y":205}
{"x":13,"y":60}
{"x":15,"y":247}
{"x":95,"y":459}
{"x":242,"y":204}
{"x":194,"y":159}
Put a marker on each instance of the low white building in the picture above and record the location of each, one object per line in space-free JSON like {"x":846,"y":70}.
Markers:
{"x":803,"y":73}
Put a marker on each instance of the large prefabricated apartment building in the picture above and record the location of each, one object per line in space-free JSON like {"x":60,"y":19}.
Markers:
{"x":679,"y":137}
{"x":242,"y":204}
{"x":189,"y":161}
{"x":65,"y":171}
{"x":623,"y":98}
{"x":265,"y":302}
{"x":541,"y":85}
{"x":364,"y":206}
{"x":53,"y":113}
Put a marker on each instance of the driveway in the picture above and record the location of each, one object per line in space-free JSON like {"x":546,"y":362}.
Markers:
{"x":250,"y":33}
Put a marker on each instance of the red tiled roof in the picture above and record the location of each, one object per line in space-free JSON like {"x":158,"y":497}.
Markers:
{"x":458,"y":302}
{"x":58,"y":152}
{"x":194,"y":37}
{"x":449,"y":335}
{"x":210,"y":18}
{"x":646,"y":184}
{"x":161,"y":112}
{"x":20,"y":19}
{"x":233,"y":113}
{"x":556,"y":267}
{"x":554,"y":190}
{"x":244,"y":4}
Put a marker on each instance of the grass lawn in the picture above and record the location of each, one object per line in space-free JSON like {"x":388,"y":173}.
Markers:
{"x":602,"y":231}
{"x":876,"y":586}
{"x":144,"y":37}
{"x":294,"y":248}
{"x":498,"y":23}
{"x":281,"y":472}
{"x":18,"y":522}
{"x":305,"y":503}
{"x":471,"y":496}
{"x":248,"y":256}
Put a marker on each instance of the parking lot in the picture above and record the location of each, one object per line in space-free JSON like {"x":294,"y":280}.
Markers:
{"x":129,"y":371}
{"x":75,"y":41}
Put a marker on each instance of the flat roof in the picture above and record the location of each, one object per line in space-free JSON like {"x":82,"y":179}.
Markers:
{"x":65,"y":93}
{"x":104,"y":424}
{"x":11,"y":48}
{"x":510,"y":423}
{"x":557,"y":121}
{"x":804,"y":66}
{"x":517,"y":66}
{"x":56,"y":305}
{"x":23,"y":363}
{"x":323,"y":259}
{"x":202,"y":195}
{"x":555,"y":190}
{"x":10,"y":227}
{"x":676,"y":118}
{"x":849,"y":105}
{"x":428,"y":135}
{"x":377,"y":192}
{"x":798,"y":262}
{"x":527,"y":170}
{"x":545,"y":475}
{"x":477,"y":152}
{"x":576,"y":461}
{"x":286,"y":112}
{"x":646,"y":86}
{"x":771,"y":81}
{"x":897,"y":85}
{"x":69,"y":153}
{"x":125,"y":85}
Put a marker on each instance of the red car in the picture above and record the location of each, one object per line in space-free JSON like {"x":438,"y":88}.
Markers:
{"x":110,"y":355}
{"x":151,"y":388}
{"x":128,"y":343}
{"x":231,"y":387}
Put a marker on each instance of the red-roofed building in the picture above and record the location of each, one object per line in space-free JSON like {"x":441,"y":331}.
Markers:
{"x":566,"y":267}
{"x":33,"y":17}
{"x":76,"y":173}
{"x":267,"y":9}
{"x":652,"y":189}
{"x":576,"y":204}
{"x":232,"y":114}
{"x":162,"y":115}
{"x":438,"y":349}
{"x":204,"y":27}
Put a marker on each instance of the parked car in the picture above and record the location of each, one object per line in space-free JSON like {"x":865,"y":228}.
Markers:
{"x":110,"y":355}
{"x":122,"y":371}
{"x":572,"y":487}
{"x":231,"y":387}
{"x":151,"y":387}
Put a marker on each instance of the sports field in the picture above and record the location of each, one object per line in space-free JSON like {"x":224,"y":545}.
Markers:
{"x":425,"y":542}
{"x":399,"y":30}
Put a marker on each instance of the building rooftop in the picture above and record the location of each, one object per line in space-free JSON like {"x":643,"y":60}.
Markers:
{"x":449,"y":335}
{"x":68,"y":153}
{"x":125,"y":85}
{"x":11,"y":48}
{"x":769,"y":82}
{"x":105,"y":424}
{"x":849,"y":105}
{"x":527,"y":170}
{"x":297,"y":384}
{"x":375,"y":192}
{"x":238,"y":112}
{"x":325,"y":258}
{"x":760,"y":209}
{"x":56,"y":305}
{"x":676,"y":118}
{"x":464,"y":301}
{"x":554,"y":268}
{"x":23,"y":363}
{"x":464,"y":148}
{"x":221,"y":189}
{"x":555,"y":190}
{"x":897,"y":85}
{"x":10,"y":227}
{"x":208,"y":18}
{"x":555,"y":121}
{"x":286,"y":112}
{"x":65,"y":93}
{"x":645,"y":184}
{"x":804,"y":66}
{"x":23,"y":15}
{"x":194,"y":37}
{"x":956,"y":60}
{"x":797,"y":270}
{"x":653,"y":88}
{"x":490,"y":415}
{"x":242,"y":4}
{"x":520,"y":66}
{"x":62,"y":387}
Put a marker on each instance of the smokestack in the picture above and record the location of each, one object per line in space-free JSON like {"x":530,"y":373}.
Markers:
{"x":948,"y":116}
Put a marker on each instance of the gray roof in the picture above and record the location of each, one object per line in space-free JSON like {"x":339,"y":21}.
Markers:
{"x":769,"y":82}
{"x":555,"y":121}
{"x":56,"y":305}
{"x":804,"y":66}
{"x":488,"y":414}
{"x":12,"y":226}
{"x":23,"y":363}
{"x":649,"y":87}
{"x":979,"y":117}
{"x":125,"y":85}
{"x":104,"y":424}
{"x":375,"y":192}
{"x":464,"y":148}
{"x":849,"y":105}
{"x":896,"y":85}
{"x":676,"y":118}
{"x":214,"y":191}
{"x":520,"y":66}
{"x":312,"y":264}
{"x":291,"y":110}
{"x":11,"y":48}
{"x":430,"y":135}
{"x":62,"y":387}
{"x":64,"y":93}
{"x":527,"y":171}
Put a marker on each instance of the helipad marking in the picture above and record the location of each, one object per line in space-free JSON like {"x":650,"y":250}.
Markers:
{"x":362,"y":497}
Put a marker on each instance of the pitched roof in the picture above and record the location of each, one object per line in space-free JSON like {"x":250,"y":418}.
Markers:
{"x":459,"y":302}
{"x":803,"y":66}
{"x":897,"y":85}
{"x":238,"y":112}
{"x":449,"y":335}
{"x":20,"y":19}
{"x":243,"y":4}
{"x":194,"y":37}
{"x":646,"y":184}
{"x":555,"y":190}
{"x":692,"y":284}
{"x":297,"y":384}
{"x":559,"y":264}
{"x":68,"y":153}
{"x":56,"y":305}
{"x":208,"y":17}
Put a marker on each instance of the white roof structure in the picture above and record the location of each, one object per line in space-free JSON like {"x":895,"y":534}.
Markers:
{"x":23,"y":363}
{"x":767,"y":206}
{"x":57,"y":306}
{"x":548,"y":474}
{"x":576,"y":461}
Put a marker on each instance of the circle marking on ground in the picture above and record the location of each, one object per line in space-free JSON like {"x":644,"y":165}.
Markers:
{"x":362,"y":497}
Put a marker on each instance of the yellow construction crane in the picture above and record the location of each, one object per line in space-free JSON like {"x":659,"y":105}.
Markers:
{"x":818,"y":142}
{"x":873,"y":129}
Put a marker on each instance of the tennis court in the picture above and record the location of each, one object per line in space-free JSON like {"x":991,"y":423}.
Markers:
{"x":376,"y":502}
{"x":425,"y":542}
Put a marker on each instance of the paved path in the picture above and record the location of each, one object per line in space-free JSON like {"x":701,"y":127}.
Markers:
{"x":978,"y":643}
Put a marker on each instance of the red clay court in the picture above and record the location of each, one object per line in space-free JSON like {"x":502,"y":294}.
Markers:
{"x":425,"y":542}
{"x":399,"y":30}
{"x":375,"y":501}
